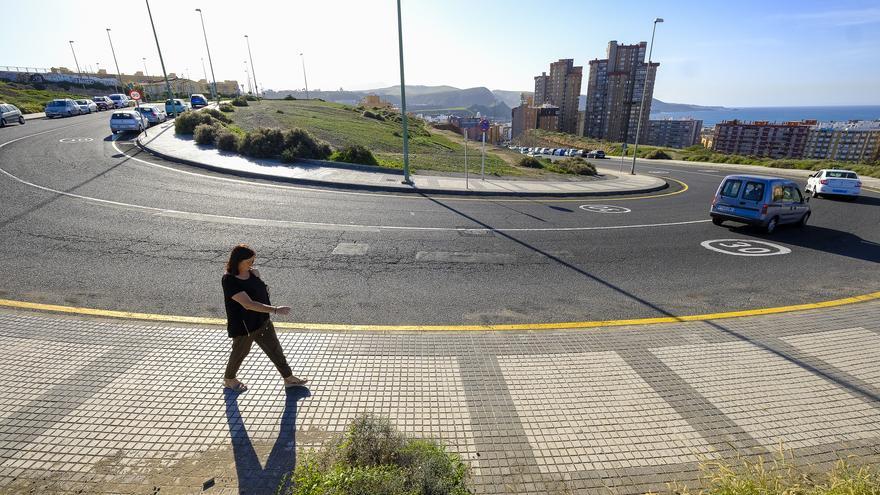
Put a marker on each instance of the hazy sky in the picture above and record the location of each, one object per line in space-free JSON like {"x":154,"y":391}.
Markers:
{"x":735,"y":53}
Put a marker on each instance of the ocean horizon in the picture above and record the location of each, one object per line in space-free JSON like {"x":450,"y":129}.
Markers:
{"x":777,"y":114}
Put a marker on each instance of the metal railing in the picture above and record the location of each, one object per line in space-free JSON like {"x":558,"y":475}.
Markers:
{"x":27,"y":70}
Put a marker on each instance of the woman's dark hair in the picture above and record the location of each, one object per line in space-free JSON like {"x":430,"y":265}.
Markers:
{"x":239,"y":253}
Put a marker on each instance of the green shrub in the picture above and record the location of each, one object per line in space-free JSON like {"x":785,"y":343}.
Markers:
{"x":370,"y":115}
{"x":298,"y":143}
{"x":226,"y":107}
{"x":262,"y":143}
{"x":657,"y":155}
{"x":279,"y":111}
{"x":186,"y":122}
{"x":206,"y":133}
{"x":226,"y":140}
{"x":217,"y":115}
{"x":251,"y":98}
{"x":355,"y":154}
{"x":372,"y":457}
{"x":577,"y":166}
{"x":530,"y":162}
{"x":239,"y":101}
{"x":289,"y":98}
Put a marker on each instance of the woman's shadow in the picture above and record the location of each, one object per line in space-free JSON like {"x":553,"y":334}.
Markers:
{"x":253,"y":478}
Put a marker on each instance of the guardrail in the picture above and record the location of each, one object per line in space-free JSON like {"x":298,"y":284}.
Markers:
{"x":28,"y":70}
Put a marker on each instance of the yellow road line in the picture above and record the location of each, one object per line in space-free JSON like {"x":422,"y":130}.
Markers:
{"x":573,"y":325}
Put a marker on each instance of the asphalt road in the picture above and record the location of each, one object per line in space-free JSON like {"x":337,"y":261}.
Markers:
{"x":90,"y":221}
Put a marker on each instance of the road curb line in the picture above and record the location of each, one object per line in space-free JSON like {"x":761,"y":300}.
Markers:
{"x":575,"y":325}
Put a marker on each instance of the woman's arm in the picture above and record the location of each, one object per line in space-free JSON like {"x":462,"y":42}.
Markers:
{"x":249,"y":304}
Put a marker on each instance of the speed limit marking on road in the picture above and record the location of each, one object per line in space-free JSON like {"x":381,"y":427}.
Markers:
{"x":745,"y":247}
{"x":75,"y":140}
{"x":605,"y":209}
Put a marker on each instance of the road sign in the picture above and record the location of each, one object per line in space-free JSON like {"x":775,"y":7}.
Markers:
{"x":135,"y":95}
{"x":484,"y":125}
{"x":745,"y":247}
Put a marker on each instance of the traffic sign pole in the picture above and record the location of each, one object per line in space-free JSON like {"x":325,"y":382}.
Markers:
{"x":484,"y":126}
{"x":466,"y":186}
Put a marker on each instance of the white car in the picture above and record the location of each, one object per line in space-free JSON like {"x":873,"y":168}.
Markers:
{"x":834,"y":182}
{"x":127,"y":120}
{"x":87,"y":106}
{"x":153,"y":113}
{"x":120,"y":100}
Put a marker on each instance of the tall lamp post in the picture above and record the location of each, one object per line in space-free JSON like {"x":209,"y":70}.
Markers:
{"x":118,"y":74}
{"x":162,"y":61}
{"x":305,"y":80}
{"x":78,"y":73}
{"x":146,"y":72}
{"x":632,"y":170}
{"x":210,"y":62}
{"x":253,"y":71}
{"x":406,"y":179}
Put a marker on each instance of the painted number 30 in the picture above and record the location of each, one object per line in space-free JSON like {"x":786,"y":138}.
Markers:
{"x":739,"y":247}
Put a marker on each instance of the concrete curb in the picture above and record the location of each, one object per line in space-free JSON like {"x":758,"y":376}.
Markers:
{"x":402,"y":188}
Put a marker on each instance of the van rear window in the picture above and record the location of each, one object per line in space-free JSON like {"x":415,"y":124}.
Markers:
{"x":731,"y":188}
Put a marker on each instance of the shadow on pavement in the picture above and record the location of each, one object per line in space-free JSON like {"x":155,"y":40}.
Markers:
{"x":823,"y":239}
{"x":253,"y":478}
{"x":835,"y":376}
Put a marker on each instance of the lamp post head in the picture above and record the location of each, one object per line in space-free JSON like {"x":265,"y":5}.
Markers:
{"x":659,"y":19}
{"x":71,"y":41}
{"x":199,"y":11}
{"x":108,"y":30}
{"x":245,"y":36}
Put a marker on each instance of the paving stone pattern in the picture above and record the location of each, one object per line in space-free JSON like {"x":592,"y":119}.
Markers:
{"x":108,"y":406}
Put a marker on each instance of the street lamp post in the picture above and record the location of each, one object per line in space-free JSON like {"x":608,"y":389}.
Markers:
{"x":406,"y":179}
{"x":253,"y":71}
{"x":118,"y":74}
{"x":247,"y":76}
{"x":162,"y":62}
{"x":78,"y":73}
{"x":305,"y":80}
{"x":210,"y":62}
{"x":632,"y":170}
{"x":146,"y":72}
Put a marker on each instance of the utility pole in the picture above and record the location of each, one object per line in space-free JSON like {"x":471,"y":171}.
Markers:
{"x":146,"y":72}
{"x":78,"y":73}
{"x":118,"y":74}
{"x":210,"y":62}
{"x":305,"y":80}
{"x":632,"y":170}
{"x":406,"y":179}
{"x":162,"y":62}
{"x":253,"y":71}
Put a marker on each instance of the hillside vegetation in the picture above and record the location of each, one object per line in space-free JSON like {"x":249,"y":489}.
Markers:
{"x":538,"y":137}
{"x":379,"y":131}
{"x":30,"y":100}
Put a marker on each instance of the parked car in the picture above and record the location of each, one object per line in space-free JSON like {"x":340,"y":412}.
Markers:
{"x":127,"y":120}
{"x":62,"y":107}
{"x":834,"y":182}
{"x":596,"y":154}
{"x":766,"y":202}
{"x":87,"y":106}
{"x":198,"y":101}
{"x":10,"y":113}
{"x":559,"y":152}
{"x":153,"y":113}
{"x":120,"y":100}
{"x":103,"y":103}
{"x":176,"y":105}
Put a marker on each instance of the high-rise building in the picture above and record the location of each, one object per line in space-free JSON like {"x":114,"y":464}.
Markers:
{"x":561,"y":89}
{"x":786,"y":140}
{"x":852,"y":141}
{"x":614,"y":93}
{"x":674,"y":133}
{"x":528,"y":116}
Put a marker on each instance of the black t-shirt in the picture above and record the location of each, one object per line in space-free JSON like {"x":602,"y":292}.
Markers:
{"x":240,"y":321}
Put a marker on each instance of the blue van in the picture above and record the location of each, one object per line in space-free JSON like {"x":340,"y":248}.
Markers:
{"x":765,"y":202}
{"x":198,"y":101}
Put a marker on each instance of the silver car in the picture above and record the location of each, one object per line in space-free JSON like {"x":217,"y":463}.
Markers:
{"x":766,"y":202}
{"x":10,"y":113}
{"x":152,"y":113}
{"x":87,"y":106}
{"x":62,"y":107}
{"x":127,"y":120}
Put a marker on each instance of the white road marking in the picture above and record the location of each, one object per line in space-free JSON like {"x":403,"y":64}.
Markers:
{"x":745,"y":247}
{"x":351,"y":249}
{"x":604,"y":209}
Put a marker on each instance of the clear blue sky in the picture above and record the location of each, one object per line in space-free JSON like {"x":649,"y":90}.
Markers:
{"x":737,"y":53}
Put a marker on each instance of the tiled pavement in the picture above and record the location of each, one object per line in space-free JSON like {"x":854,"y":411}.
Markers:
{"x":107,"y":406}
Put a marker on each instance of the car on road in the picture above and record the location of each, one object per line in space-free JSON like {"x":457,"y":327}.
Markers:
{"x":153,"y":113}
{"x":120,"y":100}
{"x":765,"y":202}
{"x":198,"y":101}
{"x":127,"y":120}
{"x":103,"y":103}
{"x":62,"y":107}
{"x":10,"y":113}
{"x":176,"y":105}
{"x":834,"y":182}
{"x":87,"y":106}
{"x":596,"y":154}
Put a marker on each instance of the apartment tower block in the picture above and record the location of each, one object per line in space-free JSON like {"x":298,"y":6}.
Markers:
{"x":561,"y":89}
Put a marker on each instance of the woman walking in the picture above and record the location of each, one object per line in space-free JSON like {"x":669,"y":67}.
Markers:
{"x":247,"y":318}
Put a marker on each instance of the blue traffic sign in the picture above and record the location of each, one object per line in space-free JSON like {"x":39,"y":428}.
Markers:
{"x":484,"y":125}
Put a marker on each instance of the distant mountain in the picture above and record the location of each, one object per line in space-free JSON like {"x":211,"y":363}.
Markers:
{"x":662,"y":106}
{"x":510,"y":98}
